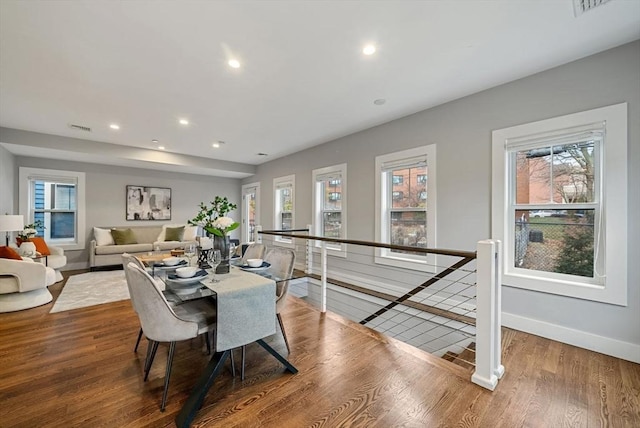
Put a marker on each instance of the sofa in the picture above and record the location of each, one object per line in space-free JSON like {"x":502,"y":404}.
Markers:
{"x":105,"y":250}
{"x":23,"y":284}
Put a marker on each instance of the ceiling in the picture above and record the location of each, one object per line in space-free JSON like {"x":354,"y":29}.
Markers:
{"x":303,"y":78}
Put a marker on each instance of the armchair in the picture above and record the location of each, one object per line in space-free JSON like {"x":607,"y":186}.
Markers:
{"x":23,"y":284}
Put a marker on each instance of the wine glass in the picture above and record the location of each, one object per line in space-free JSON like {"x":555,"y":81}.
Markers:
{"x":190,"y":251}
{"x":214,"y":260}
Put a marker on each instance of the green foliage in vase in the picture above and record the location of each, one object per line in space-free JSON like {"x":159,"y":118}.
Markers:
{"x":213,"y":219}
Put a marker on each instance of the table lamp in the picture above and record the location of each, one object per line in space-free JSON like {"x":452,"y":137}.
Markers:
{"x":11,"y":223}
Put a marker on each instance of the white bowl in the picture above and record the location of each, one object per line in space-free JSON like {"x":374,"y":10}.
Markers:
{"x":186,"y":272}
{"x":171,"y":261}
{"x":254,"y":262}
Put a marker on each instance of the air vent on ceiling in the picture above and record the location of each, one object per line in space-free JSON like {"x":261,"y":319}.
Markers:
{"x":79,"y":127}
{"x":582,"y":6}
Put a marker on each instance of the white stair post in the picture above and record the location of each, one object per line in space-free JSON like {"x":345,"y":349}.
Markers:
{"x":323,"y":286}
{"x":488,"y":301}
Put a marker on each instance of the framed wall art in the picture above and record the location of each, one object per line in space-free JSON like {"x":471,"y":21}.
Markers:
{"x":148,"y":203}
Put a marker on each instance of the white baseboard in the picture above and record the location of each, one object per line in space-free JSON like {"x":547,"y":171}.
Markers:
{"x":582,"y":339}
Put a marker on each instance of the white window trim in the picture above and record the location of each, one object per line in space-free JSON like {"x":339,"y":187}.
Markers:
{"x":334,"y":250}
{"x":614,"y":191}
{"x":244,"y":235}
{"x":24,"y":189}
{"x":277,"y":182}
{"x":383,"y":256}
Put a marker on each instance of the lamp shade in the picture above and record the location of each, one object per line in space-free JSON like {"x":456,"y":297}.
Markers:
{"x":11,"y":223}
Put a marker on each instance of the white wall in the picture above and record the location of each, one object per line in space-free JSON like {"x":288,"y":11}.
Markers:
{"x":462,"y":131}
{"x":7,"y":174}
{"x":106,"y":194}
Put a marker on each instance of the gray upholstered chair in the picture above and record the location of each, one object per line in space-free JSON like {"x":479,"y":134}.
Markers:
{"x":282,"y":261}
{"x":254,"y":251}
{"x":161,"y":323}
{"x":126,"y":259}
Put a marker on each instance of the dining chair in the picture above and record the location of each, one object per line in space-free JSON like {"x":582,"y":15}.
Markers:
{"x":163,"y":323}
{"x":126,"y":259}
{"x":254,"y":251}
{"x":282,"y":261}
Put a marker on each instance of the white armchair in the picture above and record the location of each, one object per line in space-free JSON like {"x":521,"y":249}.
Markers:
{"x":56,"y":260}
{"x":23,"y":284}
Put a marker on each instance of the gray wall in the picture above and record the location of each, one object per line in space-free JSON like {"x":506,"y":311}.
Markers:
{"x":462,"y":131}
{"x":7,"y":174}
{"x":106,"y":194}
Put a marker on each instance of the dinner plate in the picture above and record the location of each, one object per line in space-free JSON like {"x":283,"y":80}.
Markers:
{"x":265,"y":266}
{"x":199,"y":276}
{"x":163,"y":266}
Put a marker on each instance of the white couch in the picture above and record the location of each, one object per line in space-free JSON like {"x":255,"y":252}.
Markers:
{"x":23,"y":284}
{"x":149,"y":238}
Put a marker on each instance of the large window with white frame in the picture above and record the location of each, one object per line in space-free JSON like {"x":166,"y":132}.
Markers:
{"x":283,"y":192}
{"x":405,"y":206}
{"x":329,"y":204}
{"x":56,"y":200}
{"x":559,"y":204}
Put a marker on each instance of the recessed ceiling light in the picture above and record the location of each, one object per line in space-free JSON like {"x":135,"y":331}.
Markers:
{"x":160,"y":147}
{"x":234,"y":63}
{"x":114,"y":126}
{"x":183,"y":122}
{"x":369,"y":50}
{"x":262,"y":154}
{"x":379,"y":101}
{"x":154,"y":141}
{"x":217,"y":144}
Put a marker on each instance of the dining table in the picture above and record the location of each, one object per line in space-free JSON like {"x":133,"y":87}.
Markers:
{"x":246,"y":313}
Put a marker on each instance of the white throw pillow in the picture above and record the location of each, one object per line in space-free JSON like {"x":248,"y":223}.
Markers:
{"x":190,"y":233}
{"x":103,"y":236}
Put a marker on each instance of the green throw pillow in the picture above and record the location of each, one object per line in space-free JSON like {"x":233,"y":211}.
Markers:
{"x":123,"y":236}
{"x":174,"y":233}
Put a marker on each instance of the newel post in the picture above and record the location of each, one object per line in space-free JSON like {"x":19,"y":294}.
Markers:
{"x":488,"y":315}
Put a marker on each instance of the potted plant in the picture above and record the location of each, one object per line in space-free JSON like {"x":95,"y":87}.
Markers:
{"x":212,"y":218}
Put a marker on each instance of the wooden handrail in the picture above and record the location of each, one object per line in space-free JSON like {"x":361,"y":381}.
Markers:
{"x":444,"y":252}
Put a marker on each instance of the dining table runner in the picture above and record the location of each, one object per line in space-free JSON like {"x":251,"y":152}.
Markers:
{"x":246,"y":308}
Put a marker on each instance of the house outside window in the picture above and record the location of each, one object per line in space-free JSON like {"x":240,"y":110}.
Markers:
{"x":329,"y":197}
{"x":284,"y":206}
{"x":404,"y":215}
{"x":56,"y":200}
{"x":559,"y":204}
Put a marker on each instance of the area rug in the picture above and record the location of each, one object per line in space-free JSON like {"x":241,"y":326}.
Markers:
{"x":93,"y":288}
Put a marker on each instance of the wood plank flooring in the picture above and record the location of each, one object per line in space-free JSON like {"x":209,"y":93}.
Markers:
{"x":78,"y":369}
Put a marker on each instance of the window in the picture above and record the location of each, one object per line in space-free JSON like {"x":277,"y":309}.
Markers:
{"x":284,"y":205}
{"x":559,"y":204}
{"x":250,"y":211}
{"x":56,"y":200}
{"x":404,"y":215}
{"x":329,"y":196}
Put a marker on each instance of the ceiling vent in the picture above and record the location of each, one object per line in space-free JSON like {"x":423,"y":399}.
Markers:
{"x":79,"y":127}
{"x":582,"y":6}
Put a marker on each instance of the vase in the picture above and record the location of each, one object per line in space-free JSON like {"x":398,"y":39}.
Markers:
{"x":222,"y":243}
{"x":28,"y":249}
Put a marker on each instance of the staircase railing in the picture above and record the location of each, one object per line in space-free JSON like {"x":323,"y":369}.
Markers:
{"x":454,"y":312}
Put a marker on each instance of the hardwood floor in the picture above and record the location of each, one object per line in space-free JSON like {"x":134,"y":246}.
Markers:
{"x":78,"y":368}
